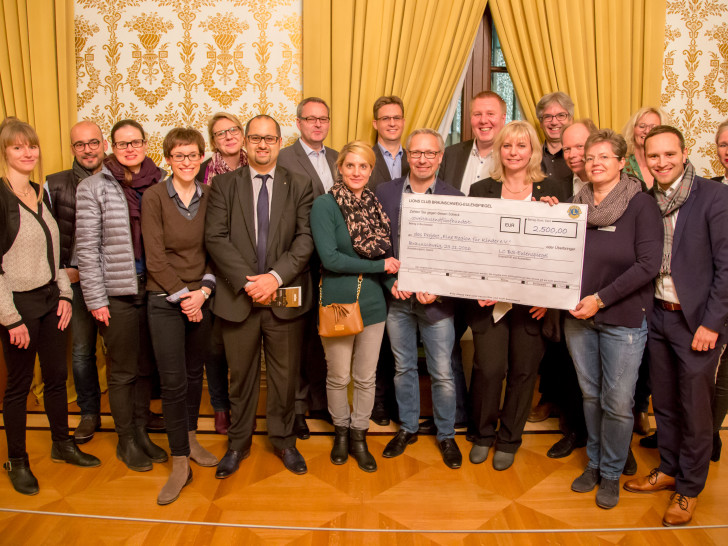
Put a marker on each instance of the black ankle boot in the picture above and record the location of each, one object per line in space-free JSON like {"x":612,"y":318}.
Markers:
{"x":359,"y":450}
{"x":717,"y":446}
{"x":67,"y":452}
{"x":132,"y":455}
{"x":340,"y":451}
{"x":20,"y":475}
{"x":153,"y":451}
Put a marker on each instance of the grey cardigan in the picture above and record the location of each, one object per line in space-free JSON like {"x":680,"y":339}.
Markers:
{"x":103,"y":240}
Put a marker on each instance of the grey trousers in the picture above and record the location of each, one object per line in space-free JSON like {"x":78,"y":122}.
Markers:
{"x":354,"y":357}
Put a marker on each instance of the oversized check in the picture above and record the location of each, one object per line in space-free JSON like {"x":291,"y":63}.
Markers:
{"x":477,"y":248}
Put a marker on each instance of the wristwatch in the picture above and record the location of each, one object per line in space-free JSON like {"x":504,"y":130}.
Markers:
{"x":204,"y":293}
{"x":600,"y":303}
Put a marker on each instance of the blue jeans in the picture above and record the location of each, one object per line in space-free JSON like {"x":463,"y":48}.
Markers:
{"x":83,"y":350}
{"x":403,"y":320}
{"x":607,"y":360}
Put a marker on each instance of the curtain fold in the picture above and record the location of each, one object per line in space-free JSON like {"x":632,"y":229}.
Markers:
{"x":606,"y":54}
{"x":38,"y":72}
{"x":354,"y":51}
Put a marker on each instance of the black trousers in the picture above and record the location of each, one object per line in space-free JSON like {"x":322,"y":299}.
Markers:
{"x":130,"y":363}
{"x":180,"y":350}
{"x":282,"y":339}
{"x":38,"y":309}
{"x":512,"y":349}
{"x":683,"y":383}
{"x":311,"y":388}
{"x":720,"y":401}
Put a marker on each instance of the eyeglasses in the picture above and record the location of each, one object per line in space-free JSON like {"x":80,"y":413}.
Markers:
{"x":561,"y":116}
{"x":232,"y":131}
{"x":179,"y":158}
{"x":387,"y":119}
{"x":416,"y":154}
{"x":92,"y":145}
{"x":645,"y":127}
{"x":255,"y":139}
{"x":313,"y":119}
{"x":138,"y":143}
{"x":601,"y":158}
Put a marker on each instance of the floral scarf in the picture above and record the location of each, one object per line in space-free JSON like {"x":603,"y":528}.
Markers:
{"x":217,"y":165}
{"x":365,"y":219}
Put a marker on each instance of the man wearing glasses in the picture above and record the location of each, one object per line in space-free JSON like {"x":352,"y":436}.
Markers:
{"x":431,"y":315}
{"x":309,"y":158}
{"x":554,"y":111}
{"x":257,"y":234}
{"x":391,"y":159}
{"x":89,"y":149}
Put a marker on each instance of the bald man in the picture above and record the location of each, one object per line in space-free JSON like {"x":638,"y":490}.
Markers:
{"x":89,"y":149}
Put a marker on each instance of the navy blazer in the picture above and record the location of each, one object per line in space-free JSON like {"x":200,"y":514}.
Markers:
{"x":390,"y":195}
{"x":699,"y":266}
{"x":381,"y":172}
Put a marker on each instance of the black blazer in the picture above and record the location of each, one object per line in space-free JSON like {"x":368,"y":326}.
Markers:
{"x":293,"y":158}
{"x":454,"y":163}
{"x":231,"y":242}
{"x":381,"y":171}
{"x":478,"y":317}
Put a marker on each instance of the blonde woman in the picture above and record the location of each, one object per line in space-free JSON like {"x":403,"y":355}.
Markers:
{"x":635,"y":131}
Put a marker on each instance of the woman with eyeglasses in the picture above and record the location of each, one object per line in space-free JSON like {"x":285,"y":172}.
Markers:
{"x":607,"y":331}
{"x":635,"y":131}
{"x":180,"y":281}
{"x":112,"y":267}
{"x":226,"y":140}
{"x":35,"y":305}
{"x":507,"y":338}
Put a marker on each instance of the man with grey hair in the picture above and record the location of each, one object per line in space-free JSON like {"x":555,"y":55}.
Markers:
{"x":412,"y":311}
{"x":554,"y":111}
{"x":308,"y":157}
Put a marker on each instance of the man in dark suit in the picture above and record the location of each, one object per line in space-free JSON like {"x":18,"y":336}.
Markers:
{"x":412,"y":312}
{"x":687,"y":327}
{"x":309,"y":158}
{"x":465,"y":163}
{"x":391,"y":158}
{"x":555,"y":111}
{"x":391,"y":163}
{"x":258,"y":236}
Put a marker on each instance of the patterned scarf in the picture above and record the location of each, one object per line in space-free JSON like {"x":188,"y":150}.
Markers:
{"x":668,"y":207}
{"x":218,"y":166}
{"x":612,"y":207}
{"x":134,"y":185}
{"x":80,"y":172}
{"x":365,"y":219}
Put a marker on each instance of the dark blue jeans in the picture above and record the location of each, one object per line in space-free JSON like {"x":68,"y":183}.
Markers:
{"x":180,"y":349}
{"x":83,"y":349}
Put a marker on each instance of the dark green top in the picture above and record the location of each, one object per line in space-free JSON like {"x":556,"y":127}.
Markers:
{"x":342,"y":264}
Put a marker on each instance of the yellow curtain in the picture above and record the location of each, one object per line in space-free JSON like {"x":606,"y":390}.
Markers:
{"x":354,"y":51}
{"x":38,"y":72}
{"x":606,"y":54}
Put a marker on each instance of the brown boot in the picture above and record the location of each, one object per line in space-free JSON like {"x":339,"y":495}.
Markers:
{"x":654,"y":481}
{"x":680,"y":511}
{"x":181,"y":475}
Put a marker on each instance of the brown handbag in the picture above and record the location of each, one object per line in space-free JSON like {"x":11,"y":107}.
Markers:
{"x":339,"y":319}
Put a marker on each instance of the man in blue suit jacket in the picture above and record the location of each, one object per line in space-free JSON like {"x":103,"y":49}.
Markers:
{"x":687,"y":327}
{"x":421,"y":311}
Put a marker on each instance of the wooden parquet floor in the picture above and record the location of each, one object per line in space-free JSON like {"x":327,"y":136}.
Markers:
{"x":412,"y":499}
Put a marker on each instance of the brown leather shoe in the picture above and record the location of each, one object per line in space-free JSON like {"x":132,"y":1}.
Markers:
{"x":654,"y":481}
{"x":680,"y":511}
{"x":222,"y":421}
{"x":641,"y":423}
{"x":541,"y":412}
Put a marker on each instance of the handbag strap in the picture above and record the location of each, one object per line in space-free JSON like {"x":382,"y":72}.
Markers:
{"x":321,"y":288}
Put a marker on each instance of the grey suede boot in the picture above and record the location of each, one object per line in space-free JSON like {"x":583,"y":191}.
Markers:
{"x":181,"y":476}
{"x":198,"y":453}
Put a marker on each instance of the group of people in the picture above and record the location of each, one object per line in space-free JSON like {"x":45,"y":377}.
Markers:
{"x":201,"y":270}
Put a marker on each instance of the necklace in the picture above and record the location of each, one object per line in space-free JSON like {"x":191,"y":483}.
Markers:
{"x":25,"y":193}
{"x":527,"y":187}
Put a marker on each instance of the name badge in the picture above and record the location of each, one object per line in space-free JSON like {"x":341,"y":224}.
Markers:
{"x":608,"y":228}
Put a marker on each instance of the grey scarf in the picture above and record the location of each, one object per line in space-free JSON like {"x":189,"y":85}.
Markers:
{"x":613,"y":205}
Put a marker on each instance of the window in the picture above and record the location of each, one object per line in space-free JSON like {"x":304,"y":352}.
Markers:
{"x":487,"y":71}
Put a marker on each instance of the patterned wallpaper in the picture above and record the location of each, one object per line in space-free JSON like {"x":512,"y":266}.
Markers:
{"x":695,"y":76}
{"x":170,"y":63}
